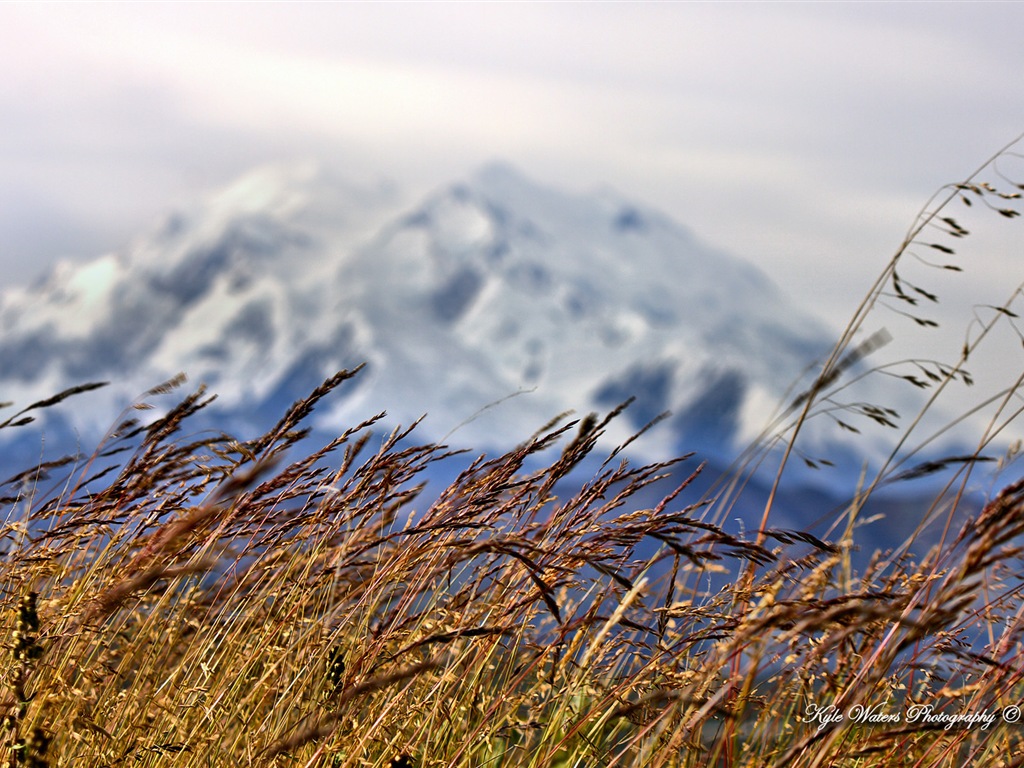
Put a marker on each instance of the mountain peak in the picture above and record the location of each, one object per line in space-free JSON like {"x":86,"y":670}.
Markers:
{"x":491,"y":287}
{"x":271,"y":188}
{"x":498,"y":174}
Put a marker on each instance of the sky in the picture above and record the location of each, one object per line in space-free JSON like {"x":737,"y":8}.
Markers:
{"x":803,"y":137}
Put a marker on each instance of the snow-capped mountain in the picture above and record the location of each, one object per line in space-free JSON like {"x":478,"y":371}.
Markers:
{"x":491,"y":306}
{"x":498,"y":286}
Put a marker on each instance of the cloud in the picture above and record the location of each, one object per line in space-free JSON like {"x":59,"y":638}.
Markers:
{"x":793,"y":134}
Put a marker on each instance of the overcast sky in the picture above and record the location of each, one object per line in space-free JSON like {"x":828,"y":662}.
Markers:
{"x":801,"y":136}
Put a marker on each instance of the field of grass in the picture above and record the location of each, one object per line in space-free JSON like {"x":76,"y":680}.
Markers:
{"x":202,"y":600}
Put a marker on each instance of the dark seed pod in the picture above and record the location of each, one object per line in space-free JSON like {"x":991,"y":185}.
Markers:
{"x":336,"y":669}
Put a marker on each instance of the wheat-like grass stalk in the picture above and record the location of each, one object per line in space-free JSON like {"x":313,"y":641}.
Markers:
{"x":229,"y":602}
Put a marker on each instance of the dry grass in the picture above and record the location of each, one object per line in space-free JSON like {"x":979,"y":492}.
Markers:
{"x":215,"y":602}
{"x":210,"y":606}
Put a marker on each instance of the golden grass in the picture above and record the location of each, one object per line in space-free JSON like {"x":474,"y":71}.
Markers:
{"x":211,"y":605}
{"x":218,"y":602}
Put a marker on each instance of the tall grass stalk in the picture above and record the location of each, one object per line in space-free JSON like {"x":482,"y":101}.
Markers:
{"x":212,"y":601}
